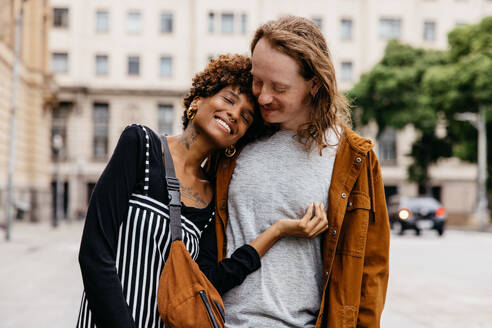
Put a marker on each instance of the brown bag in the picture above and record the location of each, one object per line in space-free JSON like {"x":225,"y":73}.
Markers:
{"x":185,"y":297}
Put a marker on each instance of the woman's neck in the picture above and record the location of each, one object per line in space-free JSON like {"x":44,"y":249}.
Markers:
{"x":189,"y":150}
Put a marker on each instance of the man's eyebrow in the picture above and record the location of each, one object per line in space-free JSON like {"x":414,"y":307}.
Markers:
{"x":232,"y":93}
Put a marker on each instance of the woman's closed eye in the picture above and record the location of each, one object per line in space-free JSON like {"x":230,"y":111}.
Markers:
{"x":245,"y":118}
{"x":228,"y":100}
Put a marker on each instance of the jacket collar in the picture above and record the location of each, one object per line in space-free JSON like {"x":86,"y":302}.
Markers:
{"x":357,"y":143}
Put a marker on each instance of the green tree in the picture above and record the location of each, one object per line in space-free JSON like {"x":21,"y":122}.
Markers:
{"x":463,"y":84}
{"x":391,"y":95}
{"x":417,"y":86}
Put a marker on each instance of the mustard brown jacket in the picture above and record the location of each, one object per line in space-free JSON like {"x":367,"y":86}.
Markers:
{"x":356,"y":245}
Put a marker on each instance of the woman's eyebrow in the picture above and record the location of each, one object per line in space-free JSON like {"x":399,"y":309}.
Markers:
{"x":232,"y":93}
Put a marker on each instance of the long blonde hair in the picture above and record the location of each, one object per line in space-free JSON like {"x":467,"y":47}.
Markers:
{"x":302,"y":40}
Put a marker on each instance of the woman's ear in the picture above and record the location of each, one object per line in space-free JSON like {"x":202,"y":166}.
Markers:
{"x":196,"y":102}
{"x":315,"y":85}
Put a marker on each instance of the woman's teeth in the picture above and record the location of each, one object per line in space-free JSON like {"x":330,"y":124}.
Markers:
{"x":224,"y":124}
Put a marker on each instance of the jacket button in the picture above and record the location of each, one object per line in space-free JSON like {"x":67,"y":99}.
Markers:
{"x":344,"y":195}
{"x":333,"y":232}
{"x":326,"y":273}
{"x":358,"y":159}
{"x":349,"y":204}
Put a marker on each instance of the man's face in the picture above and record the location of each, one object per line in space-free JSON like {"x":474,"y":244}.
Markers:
{"x":283,"y":94}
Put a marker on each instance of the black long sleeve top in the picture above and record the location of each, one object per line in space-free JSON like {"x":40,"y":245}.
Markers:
{"x":105,"y":303}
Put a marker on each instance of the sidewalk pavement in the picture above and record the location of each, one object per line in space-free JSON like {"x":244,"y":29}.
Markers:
{"x":487,"y":228}
{"x":40,"y":280}
{"x":41,"y":285}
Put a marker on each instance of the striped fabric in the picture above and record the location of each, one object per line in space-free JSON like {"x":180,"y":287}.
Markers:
{"x":143,"y":245}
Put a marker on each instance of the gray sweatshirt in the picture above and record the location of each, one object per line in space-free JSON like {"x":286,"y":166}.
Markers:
{"x":277,"y":179}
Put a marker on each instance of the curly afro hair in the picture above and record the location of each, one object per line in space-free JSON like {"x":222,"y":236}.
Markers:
{"x":222,"y":71}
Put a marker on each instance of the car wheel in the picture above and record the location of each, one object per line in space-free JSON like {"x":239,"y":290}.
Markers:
{"x":417,"y":232}
{"x":398,"y":227}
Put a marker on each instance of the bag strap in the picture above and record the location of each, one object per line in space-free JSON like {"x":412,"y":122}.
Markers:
{"x":172,"y":191}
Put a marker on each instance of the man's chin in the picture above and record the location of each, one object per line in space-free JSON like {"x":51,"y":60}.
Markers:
{"x":269,"y":115}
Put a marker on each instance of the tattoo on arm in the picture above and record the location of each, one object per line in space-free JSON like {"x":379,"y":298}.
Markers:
{"x":188,"y":193}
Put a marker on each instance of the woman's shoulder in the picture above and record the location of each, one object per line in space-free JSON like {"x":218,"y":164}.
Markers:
{"x":138,"y":133}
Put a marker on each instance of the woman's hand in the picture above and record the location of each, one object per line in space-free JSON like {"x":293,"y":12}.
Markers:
{"x":309,"y":226}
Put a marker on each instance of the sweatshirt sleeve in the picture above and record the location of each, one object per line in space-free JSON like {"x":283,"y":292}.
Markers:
{"x":108,"y":208}
{"x":229,"y":272}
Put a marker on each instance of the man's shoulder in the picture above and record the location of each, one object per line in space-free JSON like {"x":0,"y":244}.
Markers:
{"x":358,"y":143}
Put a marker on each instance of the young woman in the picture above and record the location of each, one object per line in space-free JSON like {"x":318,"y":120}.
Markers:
{"x":126,"y":235}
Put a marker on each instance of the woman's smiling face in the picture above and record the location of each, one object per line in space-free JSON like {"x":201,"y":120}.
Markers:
{"x":224,"y":117}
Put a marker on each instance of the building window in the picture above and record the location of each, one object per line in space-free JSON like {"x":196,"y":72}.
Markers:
{"x":166,"y":23}
{"x":387,"y":146}
{"x":244,"y":23}
{"x":59,"y":119}
{"x":59,"y":62}
{"x":166,"y":118}
{"x":102,"y":21}
{"x":429,"y":31}
{"x":102,"y":65}
{"x":60,"y":17}
{"x":318,"y":21}
{"x":211,"y":22}
{"x":390,"y":28}
{"x":133,"y":65}
{"x":227,"y":23}
{"x":346,"y":29}
{"x":346,"y":73}
{"x":166,"y":66}
{"x":134,"y":22}
{"x":100,"y":121}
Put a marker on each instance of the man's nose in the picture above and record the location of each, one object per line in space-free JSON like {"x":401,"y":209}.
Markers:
{"x":264,"y":98}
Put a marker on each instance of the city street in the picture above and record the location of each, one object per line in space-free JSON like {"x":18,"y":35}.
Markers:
{"x":434,"y":282}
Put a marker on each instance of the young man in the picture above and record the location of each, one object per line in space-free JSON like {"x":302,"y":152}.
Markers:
{"x":339,"y":279}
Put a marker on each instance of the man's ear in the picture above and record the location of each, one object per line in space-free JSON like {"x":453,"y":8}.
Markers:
{"x":315,"y":85}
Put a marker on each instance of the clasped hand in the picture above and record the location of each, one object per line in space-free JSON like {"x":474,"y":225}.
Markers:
{"x":312,"y":224}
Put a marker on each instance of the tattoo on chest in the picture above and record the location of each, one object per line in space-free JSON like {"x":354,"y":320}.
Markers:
{"x":188,"y":193}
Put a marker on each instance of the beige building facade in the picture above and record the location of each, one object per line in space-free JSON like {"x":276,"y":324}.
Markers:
{"x":31,"y":174}
{"x":121,"y":62}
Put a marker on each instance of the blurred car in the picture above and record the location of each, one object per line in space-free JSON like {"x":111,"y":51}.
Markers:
{"x":416,"y":213}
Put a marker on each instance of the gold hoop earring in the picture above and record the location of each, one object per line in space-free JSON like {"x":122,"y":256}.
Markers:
{"x":230,"y":151}
{"x":191,"y":112}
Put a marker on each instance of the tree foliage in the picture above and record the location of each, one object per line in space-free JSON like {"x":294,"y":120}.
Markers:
{"x":417,"y":86}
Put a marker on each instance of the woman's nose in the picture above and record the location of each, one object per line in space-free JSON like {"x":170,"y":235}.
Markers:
{"x":232,"y":117}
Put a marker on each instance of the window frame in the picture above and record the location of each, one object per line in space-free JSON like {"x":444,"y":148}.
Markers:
{"x":171,"y":70}
{"x":64,"y":24}
{"x":391,"y":20}
{"x":67,"y":59}
{"x":169,"y":14}
{"x":128,"y":63}
{"x":129,"y":28}
{"x":97,"y":25}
